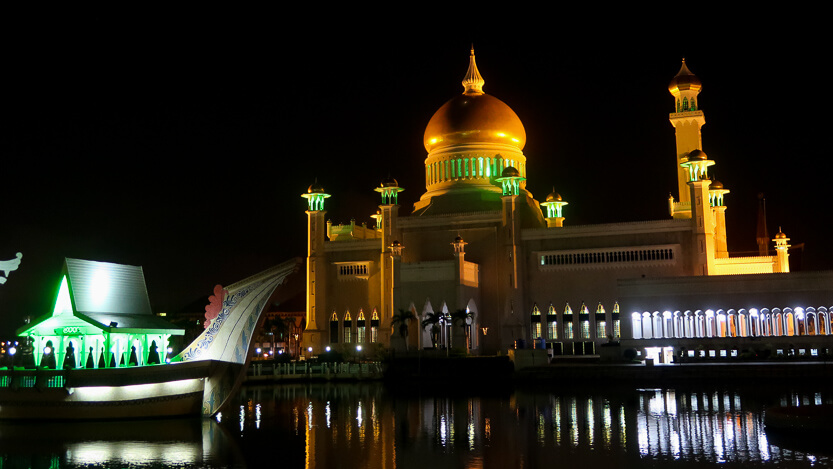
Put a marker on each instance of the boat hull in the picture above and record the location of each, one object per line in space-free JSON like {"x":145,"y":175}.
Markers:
{"x":121,"y":393}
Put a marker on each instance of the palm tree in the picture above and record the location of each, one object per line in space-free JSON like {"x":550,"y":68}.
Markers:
{"x":402,"y":318}
{"x":462,"y":316}
{"x":432,"y":319}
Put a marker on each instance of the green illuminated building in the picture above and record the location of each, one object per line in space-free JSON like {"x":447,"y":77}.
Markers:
{"x":102,"y":318}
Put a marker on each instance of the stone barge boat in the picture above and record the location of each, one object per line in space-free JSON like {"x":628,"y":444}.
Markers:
{"x":121,"y":375}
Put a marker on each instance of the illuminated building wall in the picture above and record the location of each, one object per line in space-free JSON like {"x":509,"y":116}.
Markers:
{"x":478,"y":241}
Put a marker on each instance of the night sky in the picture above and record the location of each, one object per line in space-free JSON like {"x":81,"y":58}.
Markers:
{"x":183,"y":145}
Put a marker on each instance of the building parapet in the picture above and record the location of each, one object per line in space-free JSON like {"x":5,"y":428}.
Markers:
{"x":453,"y":219}
{"x":745,"y":265}
{"x":355,"y":245}
{"x":607,"y":229}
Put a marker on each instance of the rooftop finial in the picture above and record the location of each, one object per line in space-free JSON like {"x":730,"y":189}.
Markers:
{"x":473,"y":82}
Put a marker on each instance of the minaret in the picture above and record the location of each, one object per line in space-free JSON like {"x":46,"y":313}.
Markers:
{"x":687,"y":120}
{"x":782,"y":262}
{"x":695,"y":166}
{"x":716,"y":193}
{"x":316,"y":262}
{"x":554,"y":205}
{"x":510,"y":231}
{"x":391,"y":249}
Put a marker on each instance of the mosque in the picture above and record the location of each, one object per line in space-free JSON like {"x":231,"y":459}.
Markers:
{"x":481,"y":264}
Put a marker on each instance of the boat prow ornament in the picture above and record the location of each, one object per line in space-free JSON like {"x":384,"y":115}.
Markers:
{"x":9,"y":266}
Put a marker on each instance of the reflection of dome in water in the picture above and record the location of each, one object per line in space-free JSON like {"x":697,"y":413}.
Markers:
{"x":474,"y":117}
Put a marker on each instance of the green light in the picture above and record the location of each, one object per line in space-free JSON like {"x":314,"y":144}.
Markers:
{"x":63,"y":303}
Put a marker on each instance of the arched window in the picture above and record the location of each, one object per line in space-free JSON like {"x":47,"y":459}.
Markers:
{"x":777,"y":322}
{"x":348,"y":328}
{"x":647,"y":328}
{"x":667,"y":325}
{"x":536,"y":322}
{"x":699,"y":324}
{"x":360,"y":327}
{"x":824,"y":325}
{"x":688,"y":319}
{"x":800,"y":323}
{"x":552,"y":323}
{"x":657,"y":323}
{"x":711,"y":326}
{"x":754,"y":323}
{"x":334,"y":328}
{"x":679,"y":326}
{"x":568,"y":322}
{"x":789,"y":322}
{"x":732,"y":321}
{"x":636,"y":325}
{"x":693,"y":104}
{"x":810,"y":321}
{"x":766,"y":323}
{"x":743,"y":323}
{"x":584,"y":321}
{"x":685,"y":104}
{"x":722,"y":324}
{"x":374,"y":326}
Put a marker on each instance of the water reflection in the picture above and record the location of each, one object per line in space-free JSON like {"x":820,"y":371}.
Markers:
{"x":143,"y":443}
{"x":365,"y":426}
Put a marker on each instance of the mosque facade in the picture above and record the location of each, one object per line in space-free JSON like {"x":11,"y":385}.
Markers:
{"x":480,"y":264}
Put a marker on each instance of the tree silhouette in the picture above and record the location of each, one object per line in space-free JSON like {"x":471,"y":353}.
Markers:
{"x":432,"y":319}
{"x":402,"y":318}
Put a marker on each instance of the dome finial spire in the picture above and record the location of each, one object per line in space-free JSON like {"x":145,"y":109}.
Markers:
{"x":473,"y":82}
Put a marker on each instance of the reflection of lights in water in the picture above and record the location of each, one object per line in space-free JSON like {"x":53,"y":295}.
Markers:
{"x":133,"y":453}
{"x":608,"y":423}
{"x":470,"y":425}
{"x":487,"y":428}
{"x":242,"y":417}
{"x":219,"y":417}
{"x":573,"y":422}
{"x":295,"y":419}
{"x":540,"y":429}
{"x":257,"y":416}
{"x":443,"y":432}
{"x":591,"y":420}
{"x":309,"y":415}
{"x":471,"y":435}
{"x":556,"y":418}
{"x":622,"y":426}
{"x":359,"y":414}
{"x":327,"y":413}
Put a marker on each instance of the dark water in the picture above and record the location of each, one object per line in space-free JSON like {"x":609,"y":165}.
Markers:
{"x":370,"y":426}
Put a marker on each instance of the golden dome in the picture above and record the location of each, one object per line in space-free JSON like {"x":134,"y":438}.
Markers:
{"x":510,"y":172}
{"x":697,"y":155}
{"x":553,"y":197}
{"x":685,"y":80}
{"x":474,"y":117}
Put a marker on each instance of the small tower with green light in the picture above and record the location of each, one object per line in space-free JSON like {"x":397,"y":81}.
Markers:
{"x":716,"y":193}
{"x":695,"y":166}
{"x":554,"y":205}
{"x":316,"y":259}
{"x":391,"y":254}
